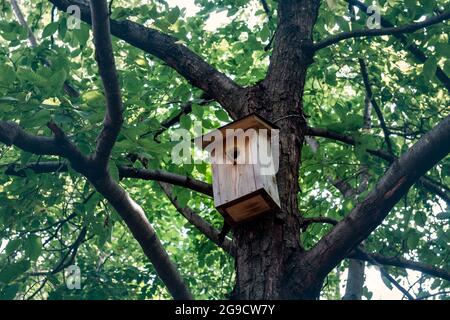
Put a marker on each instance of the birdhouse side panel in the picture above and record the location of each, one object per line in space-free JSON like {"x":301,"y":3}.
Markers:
{"x":269,"y":183}
{"x":265,"y":169}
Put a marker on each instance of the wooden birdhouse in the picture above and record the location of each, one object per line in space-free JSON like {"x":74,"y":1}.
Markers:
{"x":244,"y":164}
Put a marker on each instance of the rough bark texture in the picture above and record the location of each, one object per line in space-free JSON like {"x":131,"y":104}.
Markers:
{"x":355,"y":280}
{"x":264,"y":248}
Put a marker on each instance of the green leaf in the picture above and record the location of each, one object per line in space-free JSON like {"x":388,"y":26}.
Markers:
{"x":413,"y":239}
{"x":183,"y":197}
{"x":27,"y":74}
{"x":25,"y":157}
{"x":420,"y":218}
{"x":7,"y":74}
{"x":443,"y":50}
{"x":94,"y":98}
{"x":353,"y":122}
{"x":38,"y":119}
{"x":33,"y":247}
{"x":411,"y":6}
{"x":332,"y":4}
{"x":173,"y":15}
{"x":12,"y":246}
{"x":222,"y":115}
{"x":57,"y":79}
{"x":447,"y":66}
{"x":82,"y":35}
{"x":9,"y":292}
{"x":185,"y":121}
{"x":360,"y":150}
{"x":113,"y":170}
{"x":429,"y":68}
{"x":50,"y":29}
{"x":265,"y":33}
{"x":198,"y":111}
{"x":368,"y":294}
{"x":13,"y":271}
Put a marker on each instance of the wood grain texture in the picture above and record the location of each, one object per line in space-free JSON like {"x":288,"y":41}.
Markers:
{"x":241,"y":189}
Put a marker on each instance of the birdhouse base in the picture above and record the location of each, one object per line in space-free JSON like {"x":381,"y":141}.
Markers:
{"x":248,"y":207}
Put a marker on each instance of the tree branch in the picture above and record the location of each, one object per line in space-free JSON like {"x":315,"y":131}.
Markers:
{"x":370,"y":213}
{"x":324,"y":133}
{"x":18,"y":12}
{"x":143,"y":232}
{"x":427,"y":296}
{"x":266,"y":9}
{"x":409,"y":28}
{"x":365,"y":76}
{"x":437,"y":188}
{"x":389,"y":277}
{"x":113,"y":120}
{"x":355,"y":280}
{"x":185,"y":109}
{"x":133,"y":216}
{"x":166,"y":124}
{"x":31,"y":37}
{"x":428,"y":183}
{"x":38,"y":167}
{"x":401,"y":263}
{"x":203,"y":226}
{"x":410,"y":46}
{"x":71,"y":253}
{"x":187,"y":63}
{"x":12,"y":134}
{"x":308,"y":221}
{"x":131,"y":213}
{"x":168,"y":177}
{"x":124,"y":172}
{"x":292,"y":50}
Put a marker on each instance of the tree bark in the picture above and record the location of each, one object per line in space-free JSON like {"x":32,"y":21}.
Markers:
{"x":264,"y":247}
{"x":355,"y":280}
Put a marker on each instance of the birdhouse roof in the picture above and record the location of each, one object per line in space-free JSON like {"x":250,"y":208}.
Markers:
{"x":252,"y":121}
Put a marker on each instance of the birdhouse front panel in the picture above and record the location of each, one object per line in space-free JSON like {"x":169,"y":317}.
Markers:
{"x":233,"y":175}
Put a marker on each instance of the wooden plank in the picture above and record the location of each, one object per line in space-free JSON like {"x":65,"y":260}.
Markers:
{"x":247,"y":209}
{"x":232,"y":181}
{"x":266,"y":181}
{"x":252,"y":121}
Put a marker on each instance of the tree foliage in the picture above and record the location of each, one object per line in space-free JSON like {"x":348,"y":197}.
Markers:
{"x":52,"y":220}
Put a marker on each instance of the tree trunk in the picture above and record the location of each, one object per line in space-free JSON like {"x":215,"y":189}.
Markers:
{"x":266,"y":246}
{"x":355,"y":280}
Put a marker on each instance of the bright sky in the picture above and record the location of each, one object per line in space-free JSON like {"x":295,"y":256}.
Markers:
{"x":215,"y":21}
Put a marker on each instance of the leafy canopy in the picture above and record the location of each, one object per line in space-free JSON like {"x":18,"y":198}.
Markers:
{"x":42,"y":215}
